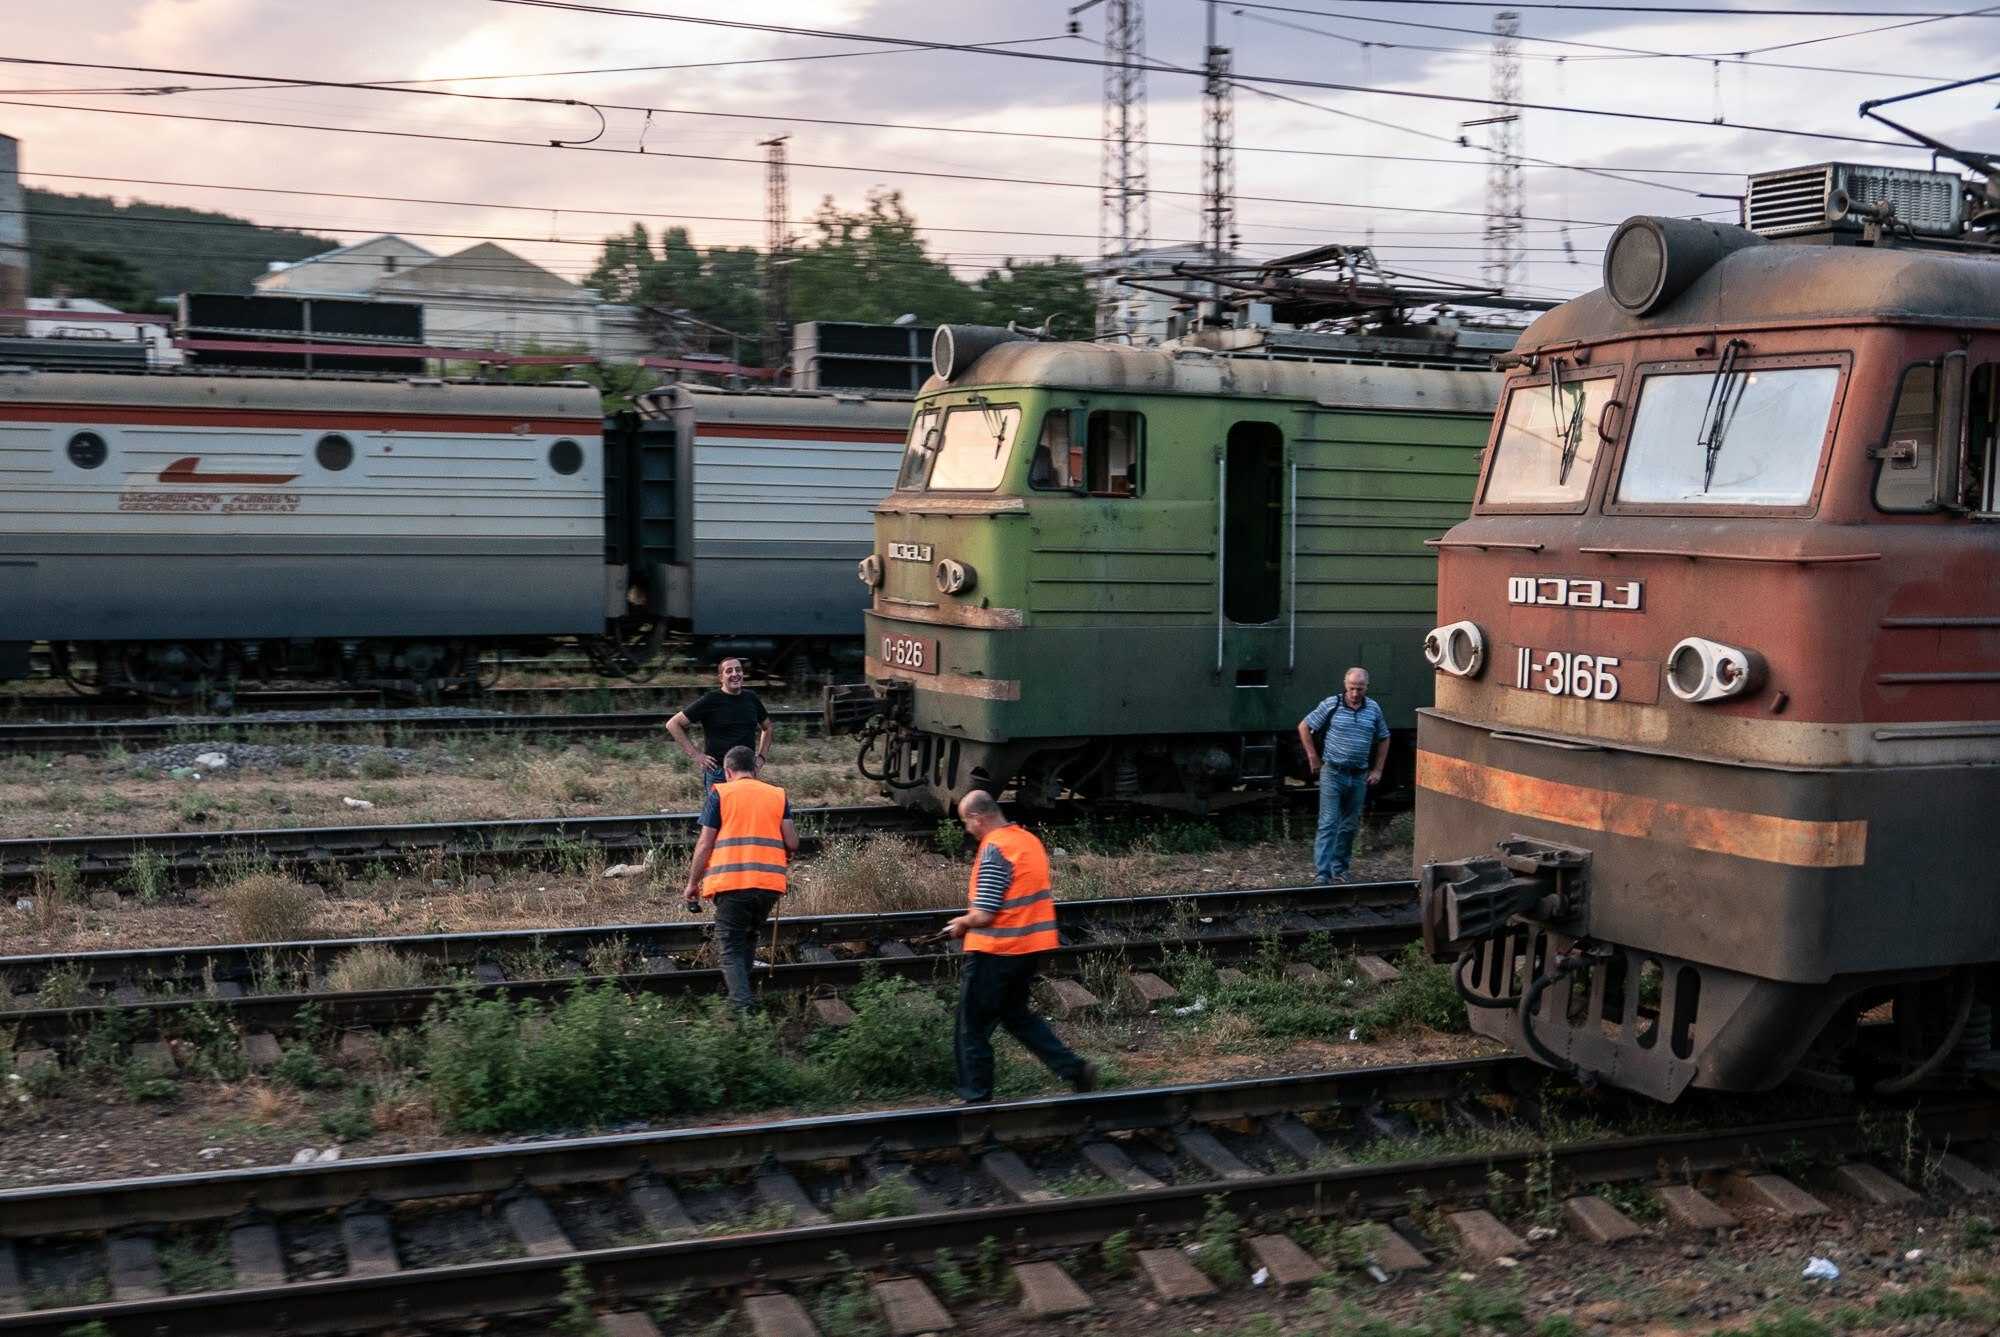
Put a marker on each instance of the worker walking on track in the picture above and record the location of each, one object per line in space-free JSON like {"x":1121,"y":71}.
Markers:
{"x":1008,"y":931}
{"x":740,"y":862}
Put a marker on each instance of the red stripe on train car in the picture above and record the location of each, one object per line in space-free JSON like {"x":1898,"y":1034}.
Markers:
{"x":129,"y":415}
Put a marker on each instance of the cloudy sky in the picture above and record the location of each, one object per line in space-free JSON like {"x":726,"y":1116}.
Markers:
{"x":1305,"y":170}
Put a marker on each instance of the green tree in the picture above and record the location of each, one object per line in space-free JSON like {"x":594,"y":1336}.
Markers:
{"x":1035,"y":291}
{"x":109,"y":278}
{"x":872,"y":266}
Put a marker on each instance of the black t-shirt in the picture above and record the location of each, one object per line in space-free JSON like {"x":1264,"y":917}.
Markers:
{"x":727,"y":721}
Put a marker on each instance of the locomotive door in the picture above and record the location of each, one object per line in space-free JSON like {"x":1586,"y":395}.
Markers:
{"x":1255,"y":618}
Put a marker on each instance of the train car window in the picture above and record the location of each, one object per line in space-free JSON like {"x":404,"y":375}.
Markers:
{"x":1906,"y":477}
{"x":334,"y":452}
{"x":566,"y":457}
{"x":1736,"y":437}
{"x":1253,"y":522}
{"x":1548,"y":443}
{"x":972,"y":447}
{"x":1057,"y":458}
{"x":1105,"y":463}
{"x":87,"y":450}
{"x":918,"y":453}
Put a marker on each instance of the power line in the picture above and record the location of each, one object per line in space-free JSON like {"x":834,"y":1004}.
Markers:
{"x":759,"y":162}
{"x":394,"y":86}
{"x":1612,"y":52}
{"x":578,"y":6}
{"x":1710,"y":10}
{"x":640,"y":216}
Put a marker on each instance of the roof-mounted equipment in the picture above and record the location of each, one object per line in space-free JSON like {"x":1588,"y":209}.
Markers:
{"x":1848,"y":197}
{"x":1651,"y":261}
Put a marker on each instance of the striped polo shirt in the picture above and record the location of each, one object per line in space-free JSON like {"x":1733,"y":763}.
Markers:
{"x":1351,"y":735}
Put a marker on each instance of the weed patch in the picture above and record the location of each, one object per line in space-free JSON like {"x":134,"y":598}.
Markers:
{"x":898,"y":1043}
{"x":267,"y":907}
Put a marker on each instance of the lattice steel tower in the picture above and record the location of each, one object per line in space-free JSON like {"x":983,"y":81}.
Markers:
{"x":1124,"y":215}
{"x":777,"y":255}
{"x":1218,"y":149}
{"x":1506,"y":261}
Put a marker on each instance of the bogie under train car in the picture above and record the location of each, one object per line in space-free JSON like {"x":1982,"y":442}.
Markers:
{"x":1708,"y":794}
{"x":1127,"y":573}
{"x":172,"y":534}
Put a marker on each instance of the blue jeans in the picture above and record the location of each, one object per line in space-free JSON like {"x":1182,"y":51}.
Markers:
{"x":709,"y":780}
{"x":1341,"y":794}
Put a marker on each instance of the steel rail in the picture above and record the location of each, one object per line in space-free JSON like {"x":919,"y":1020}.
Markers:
{"x":99,"y":735}
{"x":97,"y":857}
{"x":57,"y":1209}
{"x":519,"y":1285}
{"x":1359,"y":930}
{"x":102,"y":856}
{"x":51,"y":707}
{"x":241,"y":962}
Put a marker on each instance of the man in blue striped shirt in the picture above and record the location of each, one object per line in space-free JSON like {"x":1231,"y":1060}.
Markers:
{"x":1357,"y":743}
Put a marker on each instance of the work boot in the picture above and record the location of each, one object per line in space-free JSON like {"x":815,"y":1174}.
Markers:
{"x":1085,"y":1078}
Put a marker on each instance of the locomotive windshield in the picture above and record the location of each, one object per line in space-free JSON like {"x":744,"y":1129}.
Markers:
{"x":1730,"y":437}
{"x":1548,"y":443}
{"x":972,"y":447}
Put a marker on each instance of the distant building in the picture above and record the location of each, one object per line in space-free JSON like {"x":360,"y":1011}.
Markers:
{"x":1145,"y":313}
{"x":481,"y":297}
{"x":70,"y":318}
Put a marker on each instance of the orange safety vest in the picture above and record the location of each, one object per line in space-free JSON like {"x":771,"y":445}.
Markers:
{"x":1027,"y":918}
{"x":750,"y":850}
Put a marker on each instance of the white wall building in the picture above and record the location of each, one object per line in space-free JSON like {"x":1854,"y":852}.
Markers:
{"x":70,"y":318}
{"x":481,"y":297}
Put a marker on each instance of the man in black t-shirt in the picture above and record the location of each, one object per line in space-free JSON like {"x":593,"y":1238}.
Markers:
{"x":731,"y":717}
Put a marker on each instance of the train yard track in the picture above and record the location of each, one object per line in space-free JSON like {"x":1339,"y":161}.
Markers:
{"x":186,"y":853}
{"x":392,"y":726}
{"x":260,"y":988}
{"x":453,"y":1236}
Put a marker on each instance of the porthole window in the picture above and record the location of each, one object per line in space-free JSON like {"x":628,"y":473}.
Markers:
{"x":87,"y":450}
{"x":565,"y":457}
{"x":334,"y":453}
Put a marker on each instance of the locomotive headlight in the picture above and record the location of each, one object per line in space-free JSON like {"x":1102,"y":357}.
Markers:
{"x":869,"y":571}
{"x":1703,"y":670}
{"x":954,"y":577}
{"x":1458,"y":648}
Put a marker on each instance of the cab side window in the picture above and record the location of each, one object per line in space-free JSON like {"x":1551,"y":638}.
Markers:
{"x":1982,"y":456}
{"x":1104,"y":460}
{"x":1906,"y":477}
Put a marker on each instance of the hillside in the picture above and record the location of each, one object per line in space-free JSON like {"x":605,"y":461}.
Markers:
{"x":79,"y":240}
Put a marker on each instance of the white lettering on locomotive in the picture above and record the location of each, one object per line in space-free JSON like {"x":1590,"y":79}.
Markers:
{"x":1562,"y":592}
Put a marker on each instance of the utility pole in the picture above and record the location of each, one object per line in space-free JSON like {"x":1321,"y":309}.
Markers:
{"x":1218,"y":150}
{"x":1124,"y":221}
{"x":777,"y":256}
{"x":1506,"y":261}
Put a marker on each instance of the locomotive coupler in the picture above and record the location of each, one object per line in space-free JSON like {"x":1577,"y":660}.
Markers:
{"x":1467,"y":902}
{"x":861,"y":707}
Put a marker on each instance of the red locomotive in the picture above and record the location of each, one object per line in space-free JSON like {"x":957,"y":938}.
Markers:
{"x":1710,"y":793}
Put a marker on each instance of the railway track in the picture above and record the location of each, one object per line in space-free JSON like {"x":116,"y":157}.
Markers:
{"x":260,"y":989}
{"x":389,"y":726}
{"x":460,"y":1235}
{"x":184,"y":853}
{"x":51,"y":707}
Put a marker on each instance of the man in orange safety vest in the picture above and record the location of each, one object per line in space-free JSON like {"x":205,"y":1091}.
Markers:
{"x":740,"y":862}
{"x":1009,"y":929}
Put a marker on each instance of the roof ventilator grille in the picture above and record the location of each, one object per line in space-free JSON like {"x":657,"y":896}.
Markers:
{"x":1838,"y":196}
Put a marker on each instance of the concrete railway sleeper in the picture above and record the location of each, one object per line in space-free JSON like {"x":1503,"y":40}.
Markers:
{"x":180,"y":969}
{"x":450,"y":1236}
{"x":827,"y":956}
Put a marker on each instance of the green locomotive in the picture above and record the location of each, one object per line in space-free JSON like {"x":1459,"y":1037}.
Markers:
{"x":1128,"y":572}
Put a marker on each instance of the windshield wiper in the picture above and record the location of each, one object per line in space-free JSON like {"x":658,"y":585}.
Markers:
{"x":1570,"y":433}
{"x":1725,"y":392}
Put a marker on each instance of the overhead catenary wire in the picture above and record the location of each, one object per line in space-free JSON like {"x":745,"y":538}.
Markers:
{"x":396,"y":86}
{"x":926,"y":174}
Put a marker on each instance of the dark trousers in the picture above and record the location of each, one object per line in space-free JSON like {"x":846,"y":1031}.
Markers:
{"x":993,"y":991}
{"x":739,"y":920}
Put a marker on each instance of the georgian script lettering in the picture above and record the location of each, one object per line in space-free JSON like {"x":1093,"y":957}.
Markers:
{"x":1621,"y":596}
